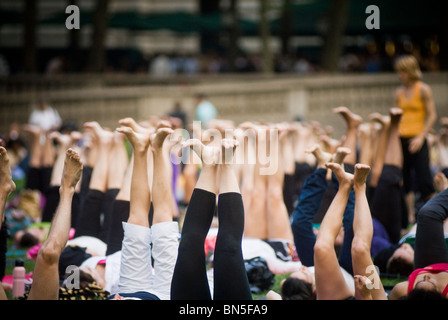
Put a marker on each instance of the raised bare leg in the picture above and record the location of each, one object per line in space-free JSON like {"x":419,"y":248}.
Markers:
{"x":366,"y":143}
{"x":48,"y":156}
{"x":363,"y":233}
{"x":353,"y":121}
{"x":394,"y":155}
{"x":256,"y":215}
{"x":163,"y":198}
{"x":36,"y":149}
{"x":380,"y":152}
{"x":247,"y":146}
{"x":98,"y":180}
{"x":118,"y":158}
{"x":46,"y":276}
{"x":330,"y":283}
{"x":64,"y":142}
{"x":279,"y":226}
{"x":140,"y":195}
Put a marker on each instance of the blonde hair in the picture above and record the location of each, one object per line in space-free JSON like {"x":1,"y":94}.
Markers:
{"x":409,"y":65}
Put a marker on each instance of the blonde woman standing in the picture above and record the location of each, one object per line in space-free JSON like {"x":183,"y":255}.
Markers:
{"x":415,"y":98}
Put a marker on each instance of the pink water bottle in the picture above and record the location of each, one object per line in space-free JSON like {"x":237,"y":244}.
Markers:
{"x":18,"y":279}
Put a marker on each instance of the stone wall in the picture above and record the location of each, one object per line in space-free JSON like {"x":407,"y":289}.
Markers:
{"x":239,"y":98}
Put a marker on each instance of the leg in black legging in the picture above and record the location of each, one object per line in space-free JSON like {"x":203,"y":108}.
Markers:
{"x":107,"y":209}
{"x":89,"y":219}
{"x":120,"y":213}
{"x":51,"y":203}
{"x":190,"y":277}
{"x":387,"y":201}
{"x":430,"y":245}
{"x":85,"y":181}
{"x":230,"y":276}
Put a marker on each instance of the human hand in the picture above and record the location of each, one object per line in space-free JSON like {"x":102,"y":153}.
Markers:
{"x":416,"y":143}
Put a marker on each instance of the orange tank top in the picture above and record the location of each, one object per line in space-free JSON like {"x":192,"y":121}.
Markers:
{"x":414,"y":112}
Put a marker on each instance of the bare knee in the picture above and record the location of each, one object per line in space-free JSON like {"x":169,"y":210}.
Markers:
{"x":322,"y":248}
{"x":49,"y":253}
{"x":275,"y":194}
{"x":360,"y":248}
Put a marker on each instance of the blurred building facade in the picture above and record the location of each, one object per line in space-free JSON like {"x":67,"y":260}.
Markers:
{"x":139,"y":30}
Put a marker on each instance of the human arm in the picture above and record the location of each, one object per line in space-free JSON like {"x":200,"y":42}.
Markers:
{"x":431,"y":116}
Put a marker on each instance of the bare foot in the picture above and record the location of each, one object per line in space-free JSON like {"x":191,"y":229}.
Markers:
{"x":210,"y":155}
{"x":130,"y":122}
{"x":33,"y":130}
{"x":140,"y":140}
{"x":164,"y":124}
{"x":440,"y":181}
{"x":6,"y":182}
{"x":228,"y":150}
{"x":353,"y":120}
{"x":103,"y":136}
{"x":322,"y":157}
{"x":344,"y":178}
{"x":158,"y":138}
{"x":340,"y":155}
{"x":64,"y":140}
{"x":76,"y":136}
{"x":361,"y":290}
{"x":360,"y":176}
{"x":330,"y":144}
{"x":72,"y":170}
{"x":383,"y":120}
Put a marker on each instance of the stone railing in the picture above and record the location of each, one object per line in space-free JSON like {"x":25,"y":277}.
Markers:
{"x":108,"y":98}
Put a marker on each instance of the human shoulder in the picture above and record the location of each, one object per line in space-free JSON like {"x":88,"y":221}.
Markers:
{"x":425,"y":90}
{"x":272,"y":295}
{"x":399,"y":91}
{"x":399,"y":290}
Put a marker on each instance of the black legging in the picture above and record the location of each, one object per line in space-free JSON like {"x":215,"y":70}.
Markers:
{"x":120,"y":213}
{"x":430,"y":246}
{"x":95,"y":204}
{"x":190,"y":277}
{"x":52,"y":198}
{"x":417,"y":165}
{"x":387,"y":201}
{"x":38,"y":178}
